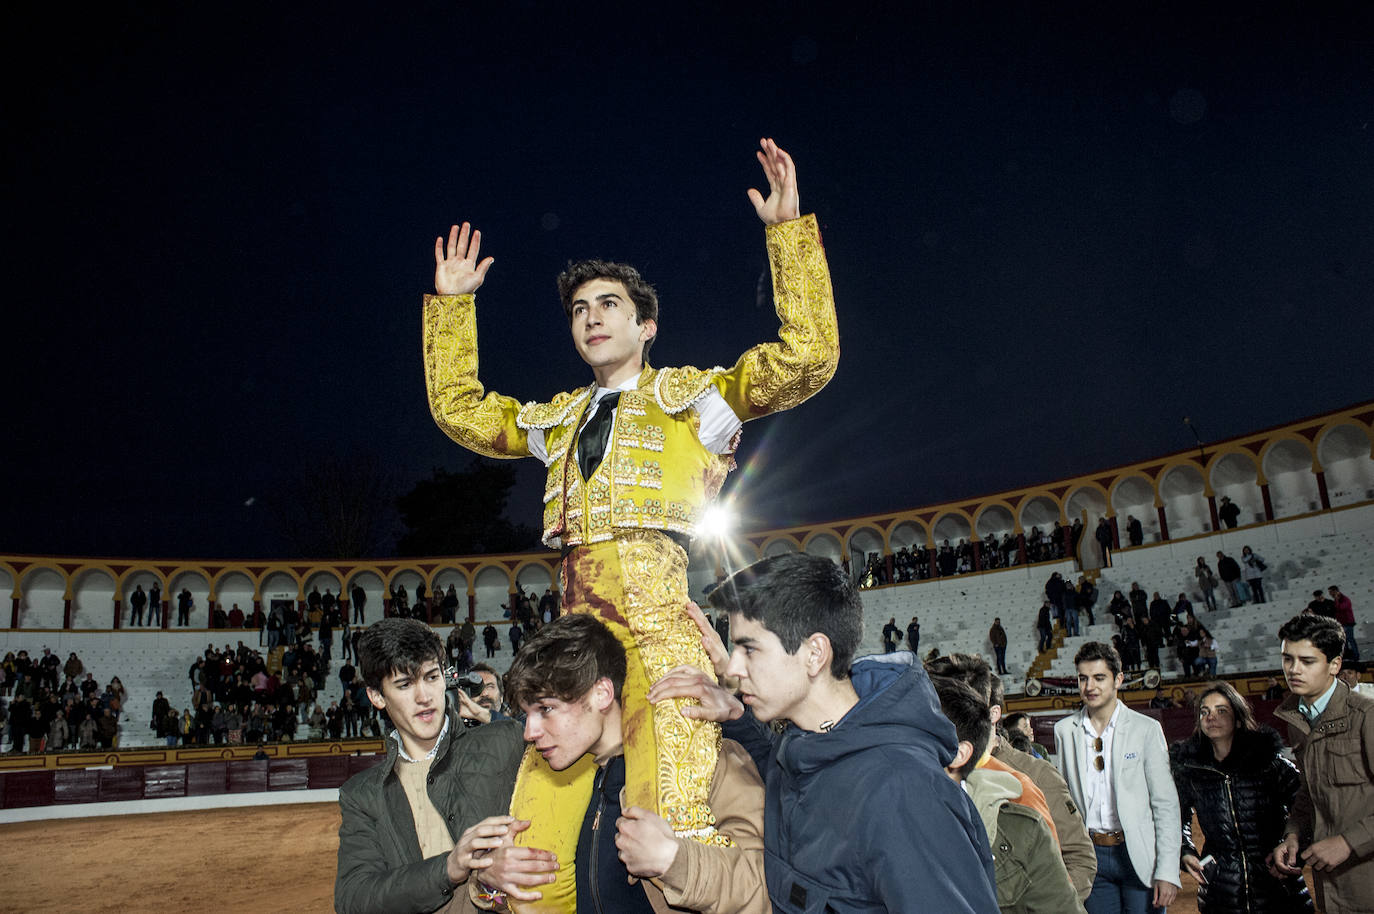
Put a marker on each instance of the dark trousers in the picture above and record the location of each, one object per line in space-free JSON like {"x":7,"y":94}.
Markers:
{"x":1001,"y":659}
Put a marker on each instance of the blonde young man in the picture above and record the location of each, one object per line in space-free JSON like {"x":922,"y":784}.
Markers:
{"x":632,"y":459}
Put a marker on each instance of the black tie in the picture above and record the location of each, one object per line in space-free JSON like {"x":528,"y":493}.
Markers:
{"x":591,"y":441}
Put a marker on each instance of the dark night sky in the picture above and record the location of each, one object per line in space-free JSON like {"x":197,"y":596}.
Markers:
{"x":1054,"y":231}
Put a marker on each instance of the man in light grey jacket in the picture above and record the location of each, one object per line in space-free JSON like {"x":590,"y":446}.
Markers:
{"x":1116,"y":763}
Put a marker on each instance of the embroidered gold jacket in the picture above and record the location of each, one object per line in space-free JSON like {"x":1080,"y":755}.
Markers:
{"x":656,"y":474}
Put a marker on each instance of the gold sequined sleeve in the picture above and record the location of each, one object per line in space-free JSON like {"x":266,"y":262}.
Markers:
{"x":478,"y":420}
{"x":775,"y":376}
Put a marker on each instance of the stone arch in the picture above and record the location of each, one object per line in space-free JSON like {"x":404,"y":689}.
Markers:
{"x":371,"y":579}
{"x":236,"y":587}
{"x":93,"y":595}
{"x":783,"y":544}
{"x":824,"y":543}
{"x":1039,"y":511}
{"x":863,"y":542}
{"x":1085,"y":496}
{"x":278,"y":587}
{"x":952,"y":524}
{"x":1182,"y":488}
{"x":910,"y":532}
{"x":1345,"y":450}
{"x":128,"y":584}
{"x":325,"y":579}
{"x":994,"y":518}
{"x":197,"y":581}
{"x":42,"y":596}
{"x":534,"y":576}
{"x":8,"y":580}
{"x":1287,"y":463}
{"x":1133,"y":495}
{"x":1235,"y":475}
{"x":491,"y":587}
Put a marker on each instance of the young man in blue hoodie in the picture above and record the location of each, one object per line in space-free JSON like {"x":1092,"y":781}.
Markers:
{"x":859,"y":814}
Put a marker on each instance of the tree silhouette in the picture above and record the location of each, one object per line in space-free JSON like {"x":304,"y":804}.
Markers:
{"x":463,"y":513}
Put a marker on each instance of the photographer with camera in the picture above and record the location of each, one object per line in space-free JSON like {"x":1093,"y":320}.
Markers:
{"x":477,"y":695}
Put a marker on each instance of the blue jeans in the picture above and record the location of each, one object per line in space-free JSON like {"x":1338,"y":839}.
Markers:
{"x":1071,"y":622}
{"x":1116,"y":888}
{"x":1352,"y":647}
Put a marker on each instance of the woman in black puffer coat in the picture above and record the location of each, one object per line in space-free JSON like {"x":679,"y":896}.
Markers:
{"x":1230,"y":773}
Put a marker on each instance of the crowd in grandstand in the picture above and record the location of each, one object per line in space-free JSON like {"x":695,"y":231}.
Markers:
{"x":39,"y":713}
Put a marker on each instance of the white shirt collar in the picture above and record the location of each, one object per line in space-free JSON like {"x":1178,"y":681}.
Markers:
{"x":401,"y":746}
{"x":1088,"y":723}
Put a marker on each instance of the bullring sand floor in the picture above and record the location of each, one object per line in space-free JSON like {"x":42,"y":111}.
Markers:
{"x":249,"y":859}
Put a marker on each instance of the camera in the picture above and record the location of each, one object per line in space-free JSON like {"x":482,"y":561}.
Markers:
{"x":471,"y":683}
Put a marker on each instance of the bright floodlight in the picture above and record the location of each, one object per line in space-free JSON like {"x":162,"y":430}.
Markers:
{"x":716,"y":522}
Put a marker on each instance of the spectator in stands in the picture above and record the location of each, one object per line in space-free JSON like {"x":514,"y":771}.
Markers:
{"x":1134,"y":532}
{"x":449,"y":606}
{"x":1321,"y":606}
{"x":185,"y":603}
{"x":1139,"y":601}
{"x":1030,"y":874}
{"x":326,"y":639}
{"x":1129,"y":645}
{"x":1229,"y":512}
{"x":891,"y":635}
{"x":1345,"y":615}
{"x":1272,"y":690}
{"x":997,"y":637}
{"x":358,"y":599}
{"x":1206,"y":582}
{"x":233,"y":724}
{"x":1207,"y":650}
{"x":1333,"y":733}
{"x":316,"y":723}
{"x":168,"y":727}
{"x":1054,"y":590}
{"x":449,"y":776}
{"x":1044,"y":625}
{"x":236,"y":617}
{"x":107,"y":726}
{"x":1087,"y":598}
{"x":1228,"y":569}
{"x":1069,"y":610}
{"x":1252,"y":571}
{"x":348,"y":710}
{"x":1020,"y":722}
{"x":1162,"y":615}
{"x":1183,"y":609}
{"x":73,"y":667}
{"x":1103,"y":535}
{"x":516,"y":635}
{"x":491,"y":638}
{"x":1116,"y":763}
{"x":137,"y":601}
{"x":1232,"y":774}
{"x":1350,"y":675}
{"x":88,"y":733}
{"x":155,"y":604}
{"x":1119,"y":607}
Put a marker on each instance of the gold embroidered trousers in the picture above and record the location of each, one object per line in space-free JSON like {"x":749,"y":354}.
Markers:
{"x":637,"y":585}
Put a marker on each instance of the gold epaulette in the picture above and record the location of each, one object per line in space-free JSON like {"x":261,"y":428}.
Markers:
{"x":675,"y":389}
{"x":557,"y":411}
